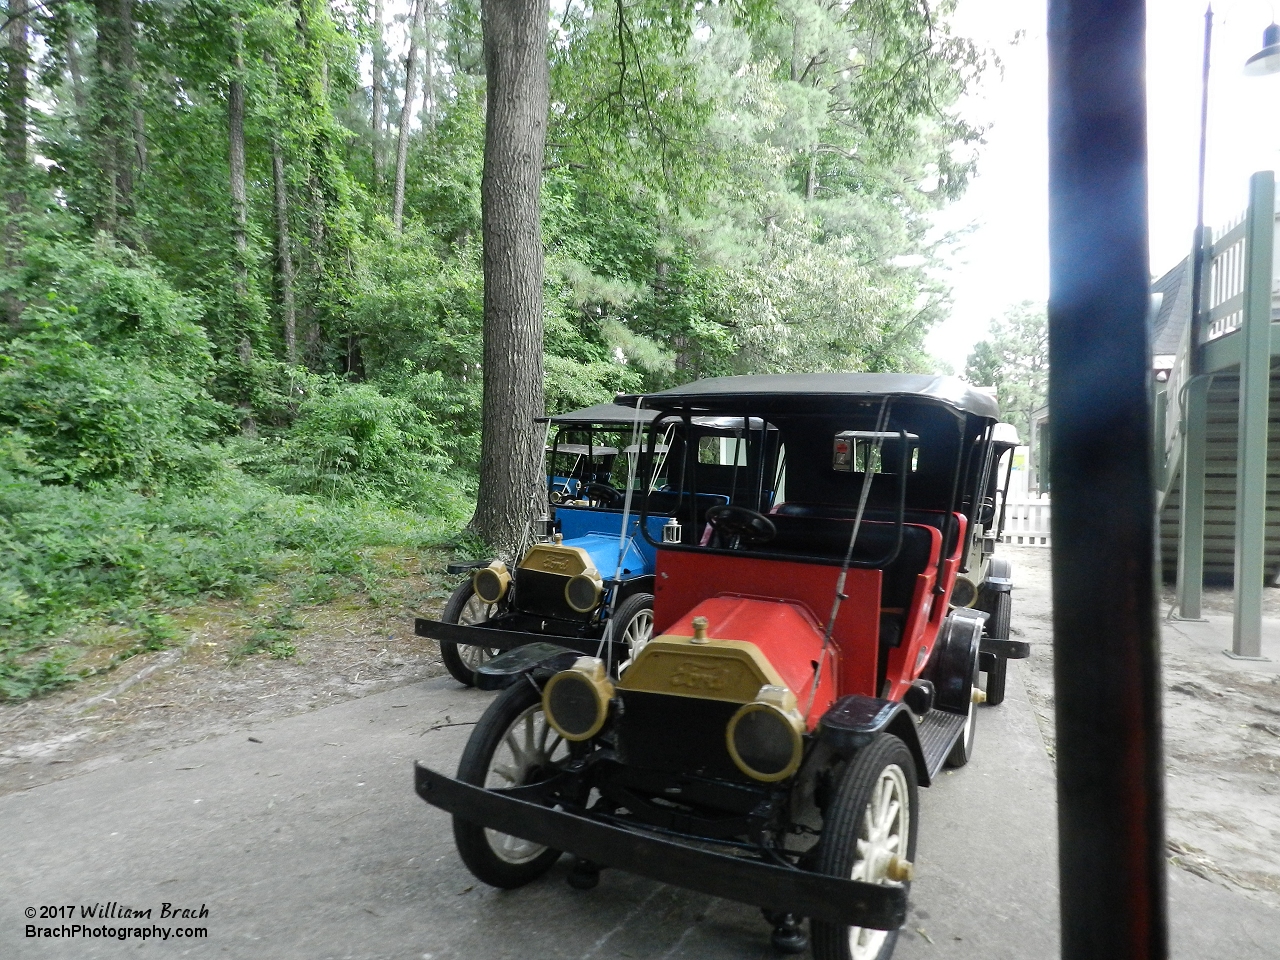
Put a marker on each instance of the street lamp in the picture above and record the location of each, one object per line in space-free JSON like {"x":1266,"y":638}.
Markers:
{"x":1266,"y":60}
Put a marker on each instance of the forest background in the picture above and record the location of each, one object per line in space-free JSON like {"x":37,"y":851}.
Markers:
{"x":241,"y":293}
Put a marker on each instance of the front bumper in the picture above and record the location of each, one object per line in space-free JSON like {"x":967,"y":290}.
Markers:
{"x":778,"y":888}
{"x":490,"y":637}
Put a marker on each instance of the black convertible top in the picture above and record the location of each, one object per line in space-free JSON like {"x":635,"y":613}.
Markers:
{"x":781,"y":391}
{"x":601,"y":414}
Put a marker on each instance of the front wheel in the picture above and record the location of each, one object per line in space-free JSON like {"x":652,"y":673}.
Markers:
{"x":463,"y":660}
{"x":633,"y":624}
{"x":868,"y":834}
{"x":511,"y":746}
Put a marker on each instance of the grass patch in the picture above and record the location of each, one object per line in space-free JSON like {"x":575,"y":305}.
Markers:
{"x":71,"y":557}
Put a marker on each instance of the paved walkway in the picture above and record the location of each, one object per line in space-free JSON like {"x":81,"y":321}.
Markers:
{"x":311,"y":844}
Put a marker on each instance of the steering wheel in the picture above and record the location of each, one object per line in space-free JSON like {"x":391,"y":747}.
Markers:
{"x":605,"y":494}
{"x":735,"y":523}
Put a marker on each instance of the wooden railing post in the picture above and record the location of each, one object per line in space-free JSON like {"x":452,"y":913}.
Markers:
{"x":1255,"y":389}
{"x":1191,"y":510}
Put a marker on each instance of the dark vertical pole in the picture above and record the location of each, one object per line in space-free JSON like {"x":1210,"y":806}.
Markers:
{"x":1106,"y":667}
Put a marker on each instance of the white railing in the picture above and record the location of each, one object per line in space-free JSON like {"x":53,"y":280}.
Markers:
{"x":1026,"y":523}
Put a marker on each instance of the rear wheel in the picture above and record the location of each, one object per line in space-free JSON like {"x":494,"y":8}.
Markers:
{"x":998,"y":629}
{"x":962,"y":752}
{"x":511,"y":746}
{"x":462,"y":660}
{"x":868,"y":831}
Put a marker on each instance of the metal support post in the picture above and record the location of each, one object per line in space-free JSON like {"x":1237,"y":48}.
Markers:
{"x":1111,"y":844}
{"x":1251,"y":440}
{"x":1191,"y":509}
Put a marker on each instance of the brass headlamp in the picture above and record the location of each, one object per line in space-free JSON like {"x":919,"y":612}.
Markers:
{"x":492,"y":582}
{"x":576,"y":701}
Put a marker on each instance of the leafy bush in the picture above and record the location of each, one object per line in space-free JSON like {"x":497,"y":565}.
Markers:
{"x":351,"y":442}
{"x":74,"y":413}
{"x":106,"y":381}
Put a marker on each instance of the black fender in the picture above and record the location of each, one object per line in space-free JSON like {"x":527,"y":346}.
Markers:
{"x":634,"y":585}
{"x":950,"y":667}
{"x":466,"y":566}
{"x":999,"y":576}
{"x":539,"y":659}
{"x":853,"y":721}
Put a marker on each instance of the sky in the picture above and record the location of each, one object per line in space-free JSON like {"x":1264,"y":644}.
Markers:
{"x":1003,"y":256}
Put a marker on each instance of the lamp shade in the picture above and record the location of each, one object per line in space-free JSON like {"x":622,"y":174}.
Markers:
{"x":1266,"y":60}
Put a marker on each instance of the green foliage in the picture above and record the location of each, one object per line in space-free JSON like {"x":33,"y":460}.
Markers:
{"x":729,"y":188}
{"x":107,"y":381}
{"x":270,"y":636}
{"x":73,"y":555}
{"x":351,"y":442}
{"x":1015,"y":360}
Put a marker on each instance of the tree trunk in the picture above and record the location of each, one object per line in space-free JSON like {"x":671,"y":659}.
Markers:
{"x":379,"y":77}
{"x":76,"y":72}
{"x":17,"y":60}
{"x":16,"y":121}
{"x":512,"y":486}
{"x":313,"y":251}
{"x":284,"y":256}
{"x":406,"y":110}
{"x":239,"y":200}
{"x":114,"y":112}
{"x":427,"y":117}
{"x":129,"y":62}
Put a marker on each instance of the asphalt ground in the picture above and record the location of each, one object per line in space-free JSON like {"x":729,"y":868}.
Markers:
{"x":312,"y":844}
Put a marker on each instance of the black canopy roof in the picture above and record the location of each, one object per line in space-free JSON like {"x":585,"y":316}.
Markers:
{"x":781,"y":392}
{"x":600,"y":414}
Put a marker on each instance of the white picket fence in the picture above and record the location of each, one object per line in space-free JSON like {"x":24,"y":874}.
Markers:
{"x":1026,"y":523}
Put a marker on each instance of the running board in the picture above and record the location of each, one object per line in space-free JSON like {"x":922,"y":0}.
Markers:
{"x":938,"y":731}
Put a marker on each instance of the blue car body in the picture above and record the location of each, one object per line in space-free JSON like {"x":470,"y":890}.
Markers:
{"x":599,"y":531}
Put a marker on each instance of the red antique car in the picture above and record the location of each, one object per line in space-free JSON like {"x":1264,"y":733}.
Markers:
{"x":817,"y":655}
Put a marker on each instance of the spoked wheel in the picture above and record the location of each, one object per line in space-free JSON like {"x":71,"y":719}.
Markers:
{"x":868,"y":834}
{"x":962,"y":752}
{"x":633,"y":624}
{"x":998,"y":629}
{"x":511,"y":746}
{"x":462,"y":660}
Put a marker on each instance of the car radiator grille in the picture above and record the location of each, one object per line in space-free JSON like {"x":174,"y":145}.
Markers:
{"x":659,"y":731}
{"x":542,"y":594}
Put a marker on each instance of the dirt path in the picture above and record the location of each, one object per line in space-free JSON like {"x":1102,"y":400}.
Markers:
{"x":1222,"y":734}
{"x":205,"y":686}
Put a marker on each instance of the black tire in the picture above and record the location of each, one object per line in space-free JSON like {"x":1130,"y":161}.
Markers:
{"x":1001,"y":609}
{"x":497,"y":858}
{"x":465,"y":607}
{"x":845,"y":825}
{"x":962,"y":752}
{"x":629,"y":624}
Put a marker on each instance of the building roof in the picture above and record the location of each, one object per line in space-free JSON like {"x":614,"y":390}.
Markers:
{"x":1174,"y":313}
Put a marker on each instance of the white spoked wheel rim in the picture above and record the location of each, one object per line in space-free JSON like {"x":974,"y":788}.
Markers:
{"x":882,"y":835}
{"x":476,"y":611}
{"x":968,"y":722}
{"x":528,"y":746}
{"x":638,"y":632}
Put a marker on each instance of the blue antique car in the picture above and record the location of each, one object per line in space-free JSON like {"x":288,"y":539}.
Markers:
{"x":579,"y":580}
